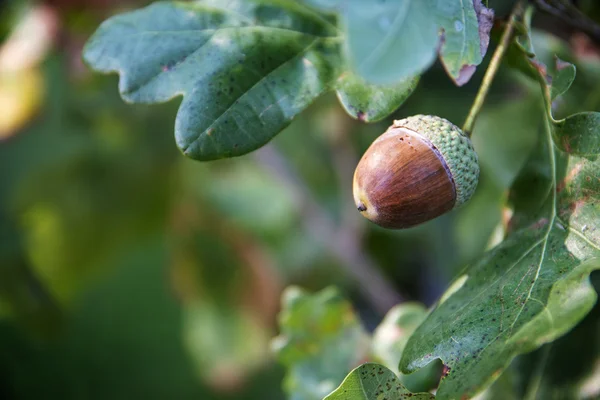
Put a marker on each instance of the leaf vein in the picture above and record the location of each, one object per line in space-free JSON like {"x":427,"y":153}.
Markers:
{"x":211,"y":126}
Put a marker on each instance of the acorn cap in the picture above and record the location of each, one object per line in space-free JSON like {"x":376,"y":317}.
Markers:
{"x":420,"y":168}
{"x":455,"y":147}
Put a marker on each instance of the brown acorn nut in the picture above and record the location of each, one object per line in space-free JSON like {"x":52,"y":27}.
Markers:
{"x":420,"y":168}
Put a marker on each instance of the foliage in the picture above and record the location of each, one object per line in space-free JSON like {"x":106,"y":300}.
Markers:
{"x":118,"y":257}
{"x":322,"y":338}
{"x":236,"y":98}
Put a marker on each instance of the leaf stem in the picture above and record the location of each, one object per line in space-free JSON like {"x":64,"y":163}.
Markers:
{"x":493,"y":68}
{"x":341,"y":242}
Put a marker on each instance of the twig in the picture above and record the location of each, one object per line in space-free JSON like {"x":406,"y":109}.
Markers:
{"x":344,"y":160}
{"x":492,"y":69}
{"x":339,"y":242}
{"x":571,"y":15}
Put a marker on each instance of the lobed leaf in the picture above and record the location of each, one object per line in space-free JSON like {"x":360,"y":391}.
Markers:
{"x":374,"y":382}
{"x":390,"y":41}
{"x":370,"y":103}
{"x":579,"y":134}
{"x":533,"y":287}
{"x":245,"y":69}
{"x":528,"y":291}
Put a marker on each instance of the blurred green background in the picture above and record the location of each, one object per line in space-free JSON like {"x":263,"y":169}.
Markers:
{"x":127,"y":270}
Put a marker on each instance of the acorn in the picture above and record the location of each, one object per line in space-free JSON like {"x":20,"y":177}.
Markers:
{"x":422,"y":167}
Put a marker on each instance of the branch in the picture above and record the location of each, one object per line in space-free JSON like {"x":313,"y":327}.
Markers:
{"x":490,"y":73}
{"x":571,"y":15}
{"x":341,"y":243}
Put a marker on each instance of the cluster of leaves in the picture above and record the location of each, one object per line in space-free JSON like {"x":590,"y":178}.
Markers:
{"x":87,"y":247}
{"x":322,"y":338}
{"x":534,"y":286}
{"x":247,"y":68}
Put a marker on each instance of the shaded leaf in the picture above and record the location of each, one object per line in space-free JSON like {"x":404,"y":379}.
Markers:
{"x":244,"y":69}
{"x":579,"y":134}
{"x":370,"y":103}
{"x":321,"y":340}
{"x":466,"y":28}
{"x":563,"y":77}
{"x":374,"y":382}
{"x":506,"y":134}
{"x":531,"y":289}
{"x":558,"y":370}
{"x":389,"y":41}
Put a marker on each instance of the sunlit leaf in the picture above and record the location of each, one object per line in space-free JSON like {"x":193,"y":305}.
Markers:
{"x":579,"y":134}
{"x":576,"y":134}
{"x":533,"y":287}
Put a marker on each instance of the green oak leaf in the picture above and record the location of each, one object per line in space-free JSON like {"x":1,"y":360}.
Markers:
{"x":579,"y":133}
{"x":563,"y":78}
{"x":321,"y":340}
{"x":371,"y":103}
{"x":389,"y":41}
{"x":466,"y":28}
{"x":534,"y":287}
{"x":564,"y":369}
{"x":245,"y":68}
{"x":531,"y":289}
{"x":374,"y":382}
